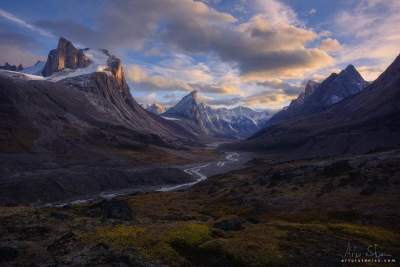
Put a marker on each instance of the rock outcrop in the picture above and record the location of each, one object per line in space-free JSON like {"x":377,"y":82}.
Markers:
{"x":65,"y":56}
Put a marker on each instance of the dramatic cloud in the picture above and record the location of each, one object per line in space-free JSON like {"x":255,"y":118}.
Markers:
{"x":181,"y":74}
{"x":274,"y":99}
{"x":287,"y":88}
{"x":142,"y":80}
{"x":269,"y":43}
{"x":252,"y":52}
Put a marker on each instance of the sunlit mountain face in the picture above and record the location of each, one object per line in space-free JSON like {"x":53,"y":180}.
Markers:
{"x":257,"y":53}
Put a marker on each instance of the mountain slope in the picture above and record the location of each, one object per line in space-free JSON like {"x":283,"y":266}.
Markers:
{"x":35,"y":69}
{"x":76,"y":125}
{"x":362,"y":123}
{"x":317,"y":97}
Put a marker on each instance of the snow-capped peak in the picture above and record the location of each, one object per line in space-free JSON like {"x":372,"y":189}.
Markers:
{"x":99,"y":62}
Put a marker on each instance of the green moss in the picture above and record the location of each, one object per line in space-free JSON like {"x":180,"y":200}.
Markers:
{"x":190,"y":234}
{"x":257,"y":245}
{"x":155,"y":241}
{"x":368,"y":232}
{"x":118,"y":236}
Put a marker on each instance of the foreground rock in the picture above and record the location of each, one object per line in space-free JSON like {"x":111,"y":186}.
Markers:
{"x":273,"y":213}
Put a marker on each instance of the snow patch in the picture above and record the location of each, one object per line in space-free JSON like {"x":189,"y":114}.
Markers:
{"x":99,"y":63}
{"x":35,"y":69}
{"x":334,"y":99}
{"x":20,"y":75}
{"x":170,"y":119}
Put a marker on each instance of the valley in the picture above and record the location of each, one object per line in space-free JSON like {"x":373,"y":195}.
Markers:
{"x":198,"y":172}
{"x":270,"y":213}
{"x":90,"y":177}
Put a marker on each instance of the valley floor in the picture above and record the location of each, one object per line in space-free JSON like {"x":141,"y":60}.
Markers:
{"x":299,"y":213}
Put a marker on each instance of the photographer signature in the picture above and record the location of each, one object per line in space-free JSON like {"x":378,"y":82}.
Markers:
{"x":372,"y":254}
{"x":372,"y":251}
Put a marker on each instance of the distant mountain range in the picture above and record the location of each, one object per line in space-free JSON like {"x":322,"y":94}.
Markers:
{"x":10,"y":67}
{"x":155,"y":108}
{"x":205,"y":121}
{"x":343,"y":115}
{"x":82,"y":101}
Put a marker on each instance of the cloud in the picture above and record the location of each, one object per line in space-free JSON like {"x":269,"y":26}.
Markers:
{"x":179,"y":75}
{"x":273,"y":99}
{"x":370,"y":72}
{"x":371,"y":33}
{"x":10,"y":17}
{"x":330,"y":45}
{"x":130,"y":24}
{"x":272,"y":42}
{"x":144,"y":81}
{"x":312,"y":11}
{"x":226,"y":101}
{"x":287,"y":88}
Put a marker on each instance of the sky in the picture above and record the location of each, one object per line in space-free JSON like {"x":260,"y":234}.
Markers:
{"x":257,"y":53}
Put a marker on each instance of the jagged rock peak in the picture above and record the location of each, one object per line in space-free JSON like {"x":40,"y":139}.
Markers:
{"x":351,"y":68}
{"x":310,"y":86}
{"x":193,"y":95}
{"x":352,"y":71}
{"x":66,"y":55}
{"x":116,"y":68}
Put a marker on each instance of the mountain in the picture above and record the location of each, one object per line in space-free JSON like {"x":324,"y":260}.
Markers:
{"x":65,"y":56}
{"x":156,"y":108}
{"x":78,"y":126}
{"x":205,"y":121}
{"x":303,"y":96}
{"x":7,"y":66}
{"x":35,"y":69}
{"x":365,"y":122}
{"x":317,"y":97}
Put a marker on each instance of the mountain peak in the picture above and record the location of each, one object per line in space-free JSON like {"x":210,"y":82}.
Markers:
{"x":65,"y":56}
{"x":350,"y":67}
{"x":193,"y":94}
{"x":351,"y":71}
{"x":186,"y":107}
{"x":64,"y":42}
{"x":192,"y":98}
